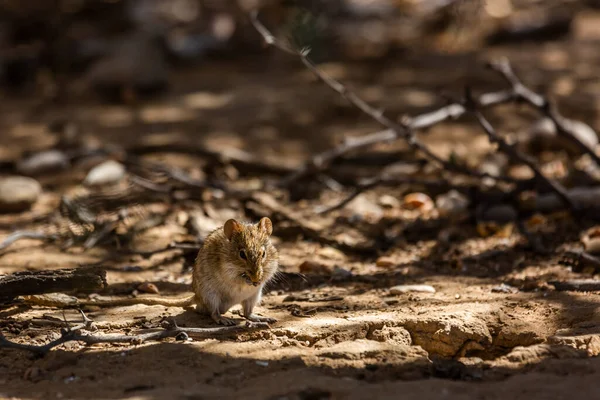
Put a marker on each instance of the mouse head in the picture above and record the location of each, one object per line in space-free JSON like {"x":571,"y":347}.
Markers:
{"x":250,"y":245}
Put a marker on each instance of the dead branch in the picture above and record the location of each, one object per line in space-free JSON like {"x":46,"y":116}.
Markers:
{"x":396,"y":130}
{"x":380,"y":180}
{"x":585,"y":198}
{"x":169,"y":329}
{"x":173,"y":173}
{"x":62,"y":280}
{"x":541,"y":103}
{"x":18,"y":235}
{"x":307,"y":227}
{"x":516,"y":155}
{"x":577,"y":285}
{"x":422,"y":121}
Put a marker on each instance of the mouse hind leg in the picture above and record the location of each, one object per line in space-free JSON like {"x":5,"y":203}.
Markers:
{"x":213,"y":306}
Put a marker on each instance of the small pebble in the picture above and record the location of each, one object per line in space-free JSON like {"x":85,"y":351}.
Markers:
{"x":400,"y":289}
{"x":314,"y":267}
{"x":330,"y":253}
{"x":362,"y":207}
{"x":503,"y":213}
{"x":418,"y":201}
{"x":385,"y":262}
{"x":388,"y":201}
{"x":107,"y":173}
{"x":591,"y":240}
{"x":262,"y":363}
{"x":148,"y":287}
{"x":452,"y":203}
{"x":132,"y":268}
{"x":340,"y":272}
{"x":18,"y":193}
{"x":43,"y":162}
{"x":504,"y":288}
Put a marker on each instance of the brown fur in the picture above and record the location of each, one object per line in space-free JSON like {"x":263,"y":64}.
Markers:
{"x":221,"y":277}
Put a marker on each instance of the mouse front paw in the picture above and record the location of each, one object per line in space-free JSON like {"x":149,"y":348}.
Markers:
{"x":258,"y":318}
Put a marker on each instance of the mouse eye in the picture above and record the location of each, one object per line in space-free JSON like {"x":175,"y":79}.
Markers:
{"x":242,"y":254}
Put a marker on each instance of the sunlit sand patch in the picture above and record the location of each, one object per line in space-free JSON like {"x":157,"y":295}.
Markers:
{"x":29,"y":130}
{"x":158,"y":113}
{"x":223,"y":139}
{"x":111,"y":117}
{"x":207,"y":100}
{"x":163,"y":138}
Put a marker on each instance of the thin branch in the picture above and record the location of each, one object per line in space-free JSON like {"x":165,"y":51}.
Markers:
{"x":18,"y":235}
{"x":323,"y":160}
{"x":170,"y":329}
{"x":522,"y":92}
{"x":310,"y":228}
{"x":576,"y":285}
{"x":52,"y":281}
{"x":516,"y":155}
{"x":185,"y":247}
{"x":395,"y":130}
{"x":370,"y":183}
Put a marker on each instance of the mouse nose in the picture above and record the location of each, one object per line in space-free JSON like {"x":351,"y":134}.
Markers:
{"x":255,"y":278}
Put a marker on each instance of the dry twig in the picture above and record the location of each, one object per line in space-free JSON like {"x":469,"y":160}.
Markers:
{"x":380,"y":180}
{"x":51,"y":281}
{"x":169,"y":329}
{"x":395,"y":130}
{"x":516,"y":155}
{"x":543,"y":104}
{"x":18,"y":235}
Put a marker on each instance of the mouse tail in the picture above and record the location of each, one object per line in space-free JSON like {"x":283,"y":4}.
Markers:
{"x":149,"y":301}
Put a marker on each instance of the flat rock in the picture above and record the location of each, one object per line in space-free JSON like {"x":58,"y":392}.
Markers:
{"x":315,"y":267}
{"x":412,"y":288}
{"x":43,"y":162}
{"x":391,"y":334}
{"x":107,"y":173}
{"x":388,"y":201}
{"x":538,"y":352}
{"x":360,"y":349}
{"x":447,"y":333}
{"x":18,"y":193}
{"x":385,"y":262}
{"x":452,"y":203}
{"x":364,"y":207}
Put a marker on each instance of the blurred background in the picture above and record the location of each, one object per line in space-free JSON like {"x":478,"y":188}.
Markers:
{"x":192,"y":70}
{"x":129,"y":130}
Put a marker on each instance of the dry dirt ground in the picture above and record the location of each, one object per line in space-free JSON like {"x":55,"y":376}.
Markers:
{"x":339,"y":336}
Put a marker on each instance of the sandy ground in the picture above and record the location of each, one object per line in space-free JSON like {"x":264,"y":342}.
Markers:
{"x":341,"y":335}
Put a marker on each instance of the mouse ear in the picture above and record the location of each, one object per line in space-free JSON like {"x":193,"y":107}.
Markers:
{"x":231,"y":226}
{"x":266,"y":225}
